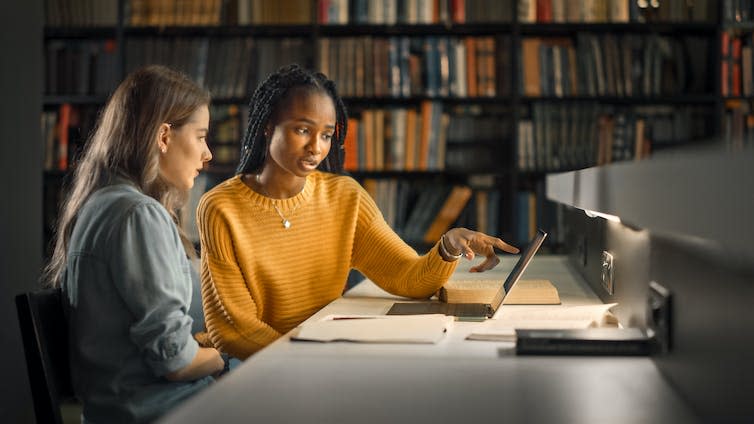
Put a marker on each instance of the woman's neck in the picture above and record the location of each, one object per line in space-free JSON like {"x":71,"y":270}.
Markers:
{"x":275,"y":186}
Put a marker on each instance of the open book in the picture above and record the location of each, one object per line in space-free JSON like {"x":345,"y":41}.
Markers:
{"x":503,"y":327}
{"x":525,"y":292}
{"x":376,"y":328}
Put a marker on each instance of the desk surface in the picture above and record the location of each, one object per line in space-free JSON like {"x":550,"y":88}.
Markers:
{"x":451,"y":381}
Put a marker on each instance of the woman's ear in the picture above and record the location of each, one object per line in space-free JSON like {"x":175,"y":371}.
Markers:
{"x":163,"y":137}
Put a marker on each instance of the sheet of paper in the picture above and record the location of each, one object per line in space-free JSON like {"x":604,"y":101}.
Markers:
{"x":376,"y":328}
{"x":507,"y":320}
{"x":597,"y":313}
{"x":505,"y":331}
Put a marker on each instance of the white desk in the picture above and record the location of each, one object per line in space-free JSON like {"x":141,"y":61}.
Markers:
{"x":452,"y":381}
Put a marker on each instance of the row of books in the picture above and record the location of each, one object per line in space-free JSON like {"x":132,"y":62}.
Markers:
{"x":412,"y":12}
{"x":559,"y":137}
{"x":64,"y":132}
{"x":526,"y":214}
{"x":429,"y":138}
{"x":479,"y":138}
{"x":161,"y":13}
{"x":533,"y":210}
{"x":84,"y":67}
{"x":394,"y":139}
{"x":618,"y":11}
{"x":737,"y":11}
{"x":225,"y":132}
{"x":609,"y":65}
{"x":422,"y":211}
{"x":81,"y":13}
{"x":736,"y":57}
{"x":218,"y":12}
{"x":174,"y":12}
{"x":397,"y":139}
{"x":230,"y":67}
{"x":362,"y":66}
{"x":414,"y":66}
{"x":471,"y":124}
{"x":66,"y":128}
{"x":90,"y":67}
{"x":738,"y":125}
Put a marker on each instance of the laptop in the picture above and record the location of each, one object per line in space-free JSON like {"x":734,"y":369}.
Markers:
{"x":474,"y":311}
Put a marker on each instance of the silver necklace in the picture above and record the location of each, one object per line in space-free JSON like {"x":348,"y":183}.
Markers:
{"x":286,"y":222}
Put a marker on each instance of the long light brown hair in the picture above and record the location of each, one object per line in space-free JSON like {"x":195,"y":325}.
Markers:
{"x":123,"y":144}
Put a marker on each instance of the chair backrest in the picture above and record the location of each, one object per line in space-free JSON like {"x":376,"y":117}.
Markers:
{"x":45,"y":335}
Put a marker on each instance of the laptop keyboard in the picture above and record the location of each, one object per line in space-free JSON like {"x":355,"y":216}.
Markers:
{"x":466,"y":310}
{"x":472,"y":310}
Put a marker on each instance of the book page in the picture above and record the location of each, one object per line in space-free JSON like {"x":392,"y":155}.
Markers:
{"x":474,"y":284}
{"x":507,"y":320}
{"x":376,"y":328}
{"x":525,"y":292}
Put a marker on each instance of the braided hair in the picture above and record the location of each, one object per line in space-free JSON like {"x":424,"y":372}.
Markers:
{"x":272,"y":94}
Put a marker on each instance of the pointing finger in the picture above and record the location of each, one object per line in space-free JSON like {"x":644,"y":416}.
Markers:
{"x":505,"y":246}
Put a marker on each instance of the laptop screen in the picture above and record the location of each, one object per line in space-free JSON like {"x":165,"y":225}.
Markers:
{"x":520,"y":267}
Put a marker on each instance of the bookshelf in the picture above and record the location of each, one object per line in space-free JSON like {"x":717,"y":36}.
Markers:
{"x":488,"y":94}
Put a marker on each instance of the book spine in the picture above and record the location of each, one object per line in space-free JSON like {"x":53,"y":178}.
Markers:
{"x":64,"y":117}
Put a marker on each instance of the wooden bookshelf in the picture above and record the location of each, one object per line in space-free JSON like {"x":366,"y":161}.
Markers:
{"x":352,"y":48}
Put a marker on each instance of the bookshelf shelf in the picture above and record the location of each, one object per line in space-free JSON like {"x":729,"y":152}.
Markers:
{"x":50,"y":101}
{"x":411,"y":174}
{"x":738,"y":98}
{"x":738,"y":26}
{"x":385,"y":101}
{"x":414,"y":30}
{"x":560,"y":29}
{"x":223,"y":31}
{"x":668,"y":100}
{"x":79,"y":33}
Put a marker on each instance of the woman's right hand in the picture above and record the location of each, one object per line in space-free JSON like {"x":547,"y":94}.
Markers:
{"x":470,"y":243}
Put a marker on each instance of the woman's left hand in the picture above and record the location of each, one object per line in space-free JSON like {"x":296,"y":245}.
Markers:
{"x":471,"y":243}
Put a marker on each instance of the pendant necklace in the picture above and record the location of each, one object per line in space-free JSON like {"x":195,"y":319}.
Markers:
{"x":286,"y":223}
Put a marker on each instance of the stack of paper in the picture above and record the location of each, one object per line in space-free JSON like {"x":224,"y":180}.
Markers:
{"x":376,"y":328}
{"x":503,"y":327}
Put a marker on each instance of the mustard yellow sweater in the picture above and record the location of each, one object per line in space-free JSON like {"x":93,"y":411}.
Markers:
{"x":260,"y":280}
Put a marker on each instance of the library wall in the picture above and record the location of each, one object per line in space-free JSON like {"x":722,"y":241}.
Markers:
{"x":21,"y":76}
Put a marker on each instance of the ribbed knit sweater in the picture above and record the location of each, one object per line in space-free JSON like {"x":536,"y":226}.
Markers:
{"x":260,"y":280}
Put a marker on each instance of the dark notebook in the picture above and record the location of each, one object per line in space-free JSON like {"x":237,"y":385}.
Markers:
{"x":590,"y":341}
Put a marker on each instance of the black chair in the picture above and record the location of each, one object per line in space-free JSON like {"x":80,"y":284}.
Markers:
{"x":45,"y":335}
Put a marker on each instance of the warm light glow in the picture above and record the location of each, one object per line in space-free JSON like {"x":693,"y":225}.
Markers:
{"x":594,"y":214}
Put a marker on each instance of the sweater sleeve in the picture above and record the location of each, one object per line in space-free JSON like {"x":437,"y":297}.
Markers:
{"x":230,"y":311}
{"x":389,"y":262}
{"x":152,"y":278}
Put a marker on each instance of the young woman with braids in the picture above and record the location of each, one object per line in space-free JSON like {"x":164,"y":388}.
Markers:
{"x":122,"y":261}
{"x":279,"y":238}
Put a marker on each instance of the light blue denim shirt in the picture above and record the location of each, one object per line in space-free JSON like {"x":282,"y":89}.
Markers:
{"x":128,"y":289}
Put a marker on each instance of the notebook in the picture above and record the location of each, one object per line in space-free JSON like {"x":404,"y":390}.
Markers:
{"x":474,"y":311}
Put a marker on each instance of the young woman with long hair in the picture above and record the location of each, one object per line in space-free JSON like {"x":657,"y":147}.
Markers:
{"x":121,"y":260}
